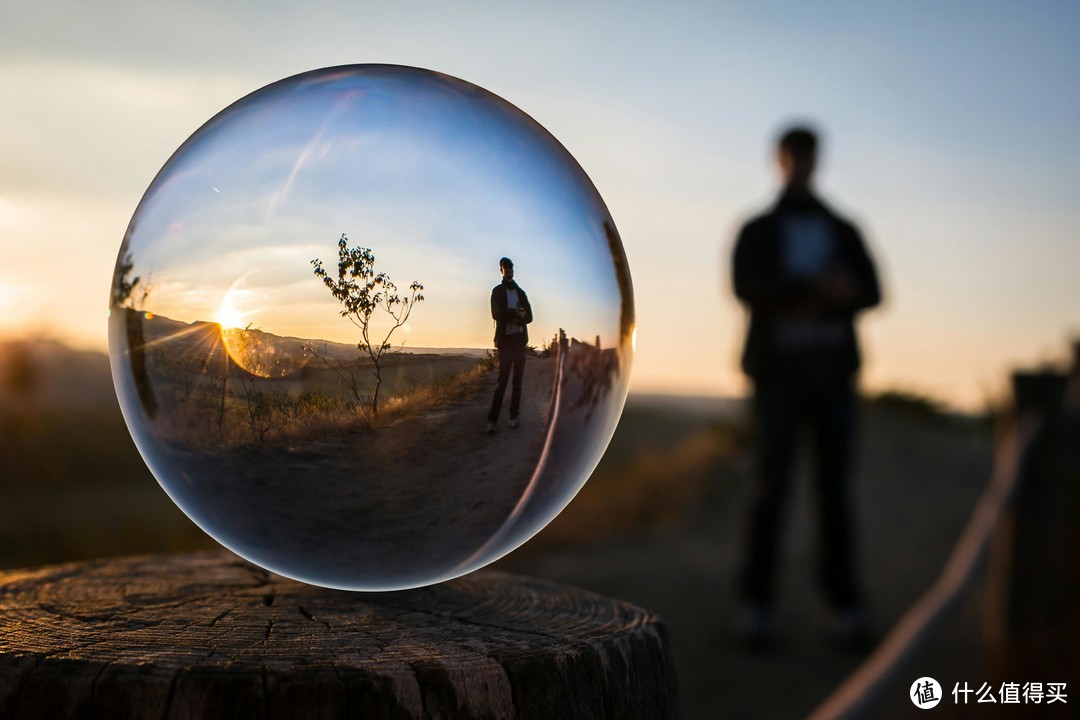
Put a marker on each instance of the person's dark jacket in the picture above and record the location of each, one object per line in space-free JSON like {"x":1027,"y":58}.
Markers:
{"x":761,"y":283}
{"x":502,"y":314}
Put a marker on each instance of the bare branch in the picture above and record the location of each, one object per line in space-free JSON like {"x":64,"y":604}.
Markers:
{"x":361,"y":291}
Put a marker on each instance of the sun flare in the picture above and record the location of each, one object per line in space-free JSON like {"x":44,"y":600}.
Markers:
{"x":228,"y":315}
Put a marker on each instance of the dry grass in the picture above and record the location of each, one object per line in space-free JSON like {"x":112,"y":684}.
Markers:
{"x":657,"y":473}
{"x":195,"y":417}
{"x":420,"y":399}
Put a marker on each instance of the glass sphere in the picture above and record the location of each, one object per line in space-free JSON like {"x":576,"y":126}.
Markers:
{"x":318,"y":301}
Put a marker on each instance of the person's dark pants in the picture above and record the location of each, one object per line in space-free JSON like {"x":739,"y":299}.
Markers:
{"x":786,"y":399}
{"x":511,"y":358}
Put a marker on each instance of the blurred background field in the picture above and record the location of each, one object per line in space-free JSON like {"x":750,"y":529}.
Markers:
{"x":658,"y":524}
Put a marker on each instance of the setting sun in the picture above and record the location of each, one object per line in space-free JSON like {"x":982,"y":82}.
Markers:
{"x":228,"y":315}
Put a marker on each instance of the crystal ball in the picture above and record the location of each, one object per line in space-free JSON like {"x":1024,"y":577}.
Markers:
{"x":371,"y":327}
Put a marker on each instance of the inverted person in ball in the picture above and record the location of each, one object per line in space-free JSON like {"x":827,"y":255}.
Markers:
{"x":512,"y":313}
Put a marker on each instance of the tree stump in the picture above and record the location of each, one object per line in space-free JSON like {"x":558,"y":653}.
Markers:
{"x":208,"y":635}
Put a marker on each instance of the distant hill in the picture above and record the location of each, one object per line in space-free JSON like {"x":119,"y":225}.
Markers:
{"x":700,"y":407}
{"x":47,"y":373}
{"x":158,"y":327}
{"x":467,"y":352}
{"x":52,"y":374}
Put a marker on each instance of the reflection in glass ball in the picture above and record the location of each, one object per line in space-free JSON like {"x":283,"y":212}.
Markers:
{"x":302,"y":320}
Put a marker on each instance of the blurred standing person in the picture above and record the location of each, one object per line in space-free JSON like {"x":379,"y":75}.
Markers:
{"x":804,"y":273}
{"x":512,"y":313}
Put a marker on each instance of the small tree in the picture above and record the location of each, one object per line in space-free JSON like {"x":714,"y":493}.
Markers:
{"x":125,"y":302}
{"x":362,"y":291}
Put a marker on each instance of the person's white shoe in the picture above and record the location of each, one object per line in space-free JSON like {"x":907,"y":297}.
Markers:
{"x":513,"y":422}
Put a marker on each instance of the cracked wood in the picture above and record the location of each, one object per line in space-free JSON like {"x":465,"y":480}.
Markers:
{"x":209,"y":635}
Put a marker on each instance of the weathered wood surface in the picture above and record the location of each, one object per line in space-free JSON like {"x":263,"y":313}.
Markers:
{"x":209,"y":635}
{"x":1032,"y":620}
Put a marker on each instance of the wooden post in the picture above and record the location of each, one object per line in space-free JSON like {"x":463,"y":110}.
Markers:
{"x":208,"y":635}
{"x":1033,"y":588}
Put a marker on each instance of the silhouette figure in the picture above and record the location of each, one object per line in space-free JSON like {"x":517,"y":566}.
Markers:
{"x":804,"y":273}
{"x":512,"y":313}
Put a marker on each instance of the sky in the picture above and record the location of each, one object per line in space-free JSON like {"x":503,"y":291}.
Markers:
{"x":439,"y":180}
{"x":951,"y":135}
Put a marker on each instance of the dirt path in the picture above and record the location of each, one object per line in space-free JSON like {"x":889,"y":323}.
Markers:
{"x":915,"y":490}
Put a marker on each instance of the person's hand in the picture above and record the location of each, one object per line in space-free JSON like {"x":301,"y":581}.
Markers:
{"x":520,"y":311}
{"x":837,"y":288}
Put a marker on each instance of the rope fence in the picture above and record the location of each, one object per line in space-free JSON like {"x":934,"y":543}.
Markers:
{"x":1047,"y":408}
